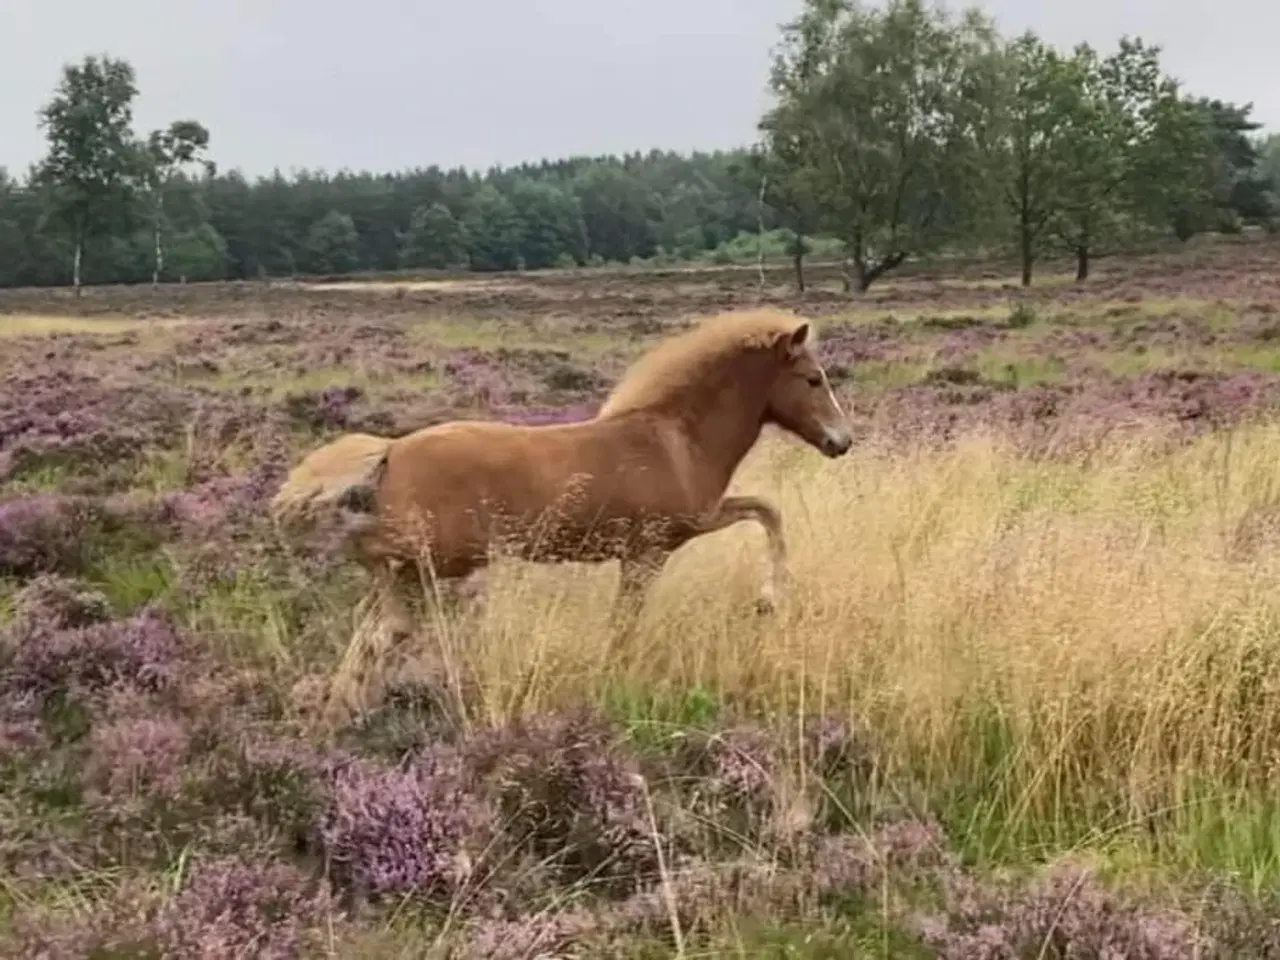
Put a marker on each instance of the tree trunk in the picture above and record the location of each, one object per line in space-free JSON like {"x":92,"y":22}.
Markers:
{"x":159,"y":261}
{"x":158,"y":265}
{"x":764,"y":186}
{"x":867,"y":274}
{"x":1082,"y":262}
{"x":797,"y":259}
{"x":75,"y":265}
{"x":1028,"y":255}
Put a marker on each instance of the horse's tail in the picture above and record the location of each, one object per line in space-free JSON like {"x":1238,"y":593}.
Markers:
{"x":336,"y":482}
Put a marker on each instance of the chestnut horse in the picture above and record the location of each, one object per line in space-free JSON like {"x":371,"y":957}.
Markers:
{"x":642,"y":478}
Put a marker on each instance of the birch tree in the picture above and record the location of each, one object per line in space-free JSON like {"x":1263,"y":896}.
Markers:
{"x":167,"y":153}
{"x":92,"y":159}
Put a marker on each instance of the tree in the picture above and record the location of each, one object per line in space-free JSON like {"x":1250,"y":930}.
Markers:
{"x":1114,"y":119}
{"x":333,"y":245}
{"x":1242,"y":190}
{"x":552,"y":221}
{"x":167,"y":153}
{"x":1037,"y":98}
{"x":617,"y":212}
{"x":199,"y":254}
{"x":1268,"y":150}
{"x":786,"y":167}
{"x":435,"y":240}
{"x":1175,"y":170}
{"x":494,"y":231}
{"x":893,"y":101}
{"x":92,"y":156}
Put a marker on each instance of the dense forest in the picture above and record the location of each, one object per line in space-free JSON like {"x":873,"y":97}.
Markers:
{"x":895,"y":132}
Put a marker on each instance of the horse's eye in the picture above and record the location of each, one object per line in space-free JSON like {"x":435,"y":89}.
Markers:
{"x":815,"y":380}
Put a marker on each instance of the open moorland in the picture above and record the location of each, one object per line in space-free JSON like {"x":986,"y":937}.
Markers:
{"x":1021,"y":699}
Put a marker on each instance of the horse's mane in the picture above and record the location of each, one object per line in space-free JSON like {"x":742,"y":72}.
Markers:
{"x":684,"y":361}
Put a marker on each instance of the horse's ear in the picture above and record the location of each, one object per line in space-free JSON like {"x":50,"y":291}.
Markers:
{"x":789,"y":344}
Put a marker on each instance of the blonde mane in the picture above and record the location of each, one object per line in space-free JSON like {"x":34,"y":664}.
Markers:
{"x":679,"y":364}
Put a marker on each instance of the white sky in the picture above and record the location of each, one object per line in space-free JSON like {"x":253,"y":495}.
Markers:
{"x":391,"y":84}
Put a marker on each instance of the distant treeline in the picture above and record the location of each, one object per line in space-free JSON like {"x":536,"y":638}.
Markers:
{"x":895,"y":133}
{"x":567,"y":212}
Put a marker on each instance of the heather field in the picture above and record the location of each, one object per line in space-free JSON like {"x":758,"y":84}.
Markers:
{"x":1021,"y":699}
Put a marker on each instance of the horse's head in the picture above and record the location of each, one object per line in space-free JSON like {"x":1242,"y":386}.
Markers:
{"x":801,"y":400}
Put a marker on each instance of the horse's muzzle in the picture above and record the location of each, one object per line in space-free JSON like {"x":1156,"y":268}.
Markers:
{"x":836,"y":443}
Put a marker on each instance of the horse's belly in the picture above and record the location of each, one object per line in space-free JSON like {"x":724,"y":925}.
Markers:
{"x":570,"y":540}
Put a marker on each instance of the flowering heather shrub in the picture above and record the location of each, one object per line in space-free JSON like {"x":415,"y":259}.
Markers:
{"x":857,"y":865}
{"x":537,"y":935}
{"x":20,"y":731}
{"x":568,"y":790}
{"x":1240,"y":925}
{"x":204,"y":508}
{"x":232,"y":908}
{"x":1066,"y":914}
{"x":136,"y":755}
{"x":700,"y":891}
{"x":56,"y":601}
{"x":278,"y":783}
{"x":405,"y":831}
{"x":48,"y":533}
{"x":835,"y":744}
{"x":222,"y":505}
{"x":534,"y":416}
{"x":327,"y":409}
{"x":142,"y":652}
{"x":844,"y":346}
{"x":729,"y":780}
{"x":740,"y":762}
{"x":475,"y":379}
{"x":120,"y":926}
{"x":69,"y":418}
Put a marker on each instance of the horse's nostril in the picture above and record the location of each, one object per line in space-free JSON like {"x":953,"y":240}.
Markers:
{"x":834,"y":446}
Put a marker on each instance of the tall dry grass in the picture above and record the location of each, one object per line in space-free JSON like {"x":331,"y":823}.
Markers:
{"x":1053,"y":653}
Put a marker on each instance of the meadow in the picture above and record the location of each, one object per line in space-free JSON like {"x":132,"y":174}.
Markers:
{"x":1022,"y":698}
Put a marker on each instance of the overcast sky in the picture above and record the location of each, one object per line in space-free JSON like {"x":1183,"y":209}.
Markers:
{"x":391,"y":84}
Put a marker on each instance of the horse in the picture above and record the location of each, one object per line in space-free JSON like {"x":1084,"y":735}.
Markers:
{"x":643,"y":477}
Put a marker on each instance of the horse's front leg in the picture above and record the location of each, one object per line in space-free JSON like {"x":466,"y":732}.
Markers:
{"x":636,"y":576}
{"x":731,"y":510}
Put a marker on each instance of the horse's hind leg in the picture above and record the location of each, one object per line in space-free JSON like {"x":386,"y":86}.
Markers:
{"x":382,"y":620}
{"x":731,"y":510}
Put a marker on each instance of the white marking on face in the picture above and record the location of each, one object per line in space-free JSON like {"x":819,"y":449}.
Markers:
{"x":831,"y":395}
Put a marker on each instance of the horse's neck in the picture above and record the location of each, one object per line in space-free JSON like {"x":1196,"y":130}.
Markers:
{"x":725,"y":427}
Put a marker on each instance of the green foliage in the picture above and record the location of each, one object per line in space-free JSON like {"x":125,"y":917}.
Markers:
{"x":494,"y":230}
{"x":92,"y":156}
{"x":199,"y":254}
{"x":1268,"y":152}
{"x":332,"y":244}
{"x":896,"y":131}
{"x":616,"y":212}
{"x":1112,"y":115}
{"x":435,"y":240}
{"x":551,"y":224}
{"x":880,"y":113}
{"x":167,"y":152}
{"x":1025,"y":155}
